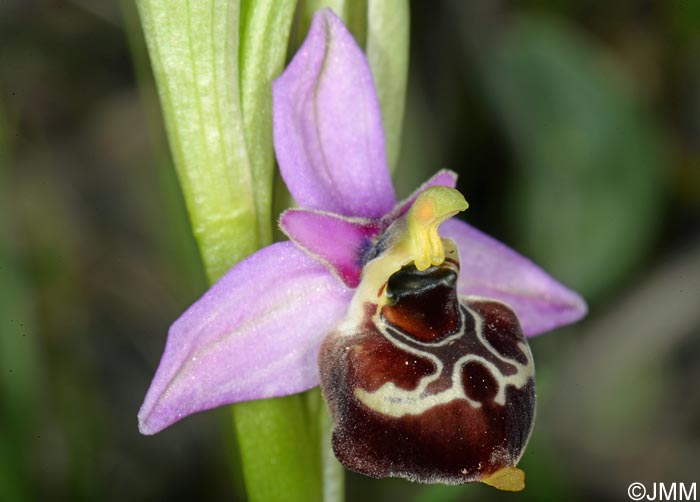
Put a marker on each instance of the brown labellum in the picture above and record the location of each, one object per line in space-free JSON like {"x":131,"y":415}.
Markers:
{"x":429,"y":386}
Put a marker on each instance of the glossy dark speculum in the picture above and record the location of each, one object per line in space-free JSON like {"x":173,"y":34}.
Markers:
{"x":429,"y":386}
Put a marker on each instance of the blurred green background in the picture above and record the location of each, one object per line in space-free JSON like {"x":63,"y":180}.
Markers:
{"x":575,"y":127}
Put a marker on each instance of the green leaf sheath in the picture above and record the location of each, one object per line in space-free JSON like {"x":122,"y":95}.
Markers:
{"x":307,"y":9}
{"x":387,"y":51}
{"x":193,"y":46}
{"x":381,"y":27}
{"x":264,"y":35}
{"x":213,"y":62}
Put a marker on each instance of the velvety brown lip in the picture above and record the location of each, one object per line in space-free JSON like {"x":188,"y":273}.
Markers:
{"x":422,"y":322}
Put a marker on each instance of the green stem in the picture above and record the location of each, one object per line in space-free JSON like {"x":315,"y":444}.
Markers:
{"x":275,"y":444}
{"x":194,"y":56}
{"x":333,"y":472}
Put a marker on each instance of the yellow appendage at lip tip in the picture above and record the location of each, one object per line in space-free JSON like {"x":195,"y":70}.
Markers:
{"x":432,"y":207}
{"x":510,"y":479}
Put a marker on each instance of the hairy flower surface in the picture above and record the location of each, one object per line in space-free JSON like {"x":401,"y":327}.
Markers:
{"x":257,"y":332}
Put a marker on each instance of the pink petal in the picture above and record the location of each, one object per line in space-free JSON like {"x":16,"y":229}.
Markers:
{"x":334,"y":240}
{"x":443,"y":177}
{"x":493,"y":270}
{"x":327,"y":125}
{"x":255,"y":334}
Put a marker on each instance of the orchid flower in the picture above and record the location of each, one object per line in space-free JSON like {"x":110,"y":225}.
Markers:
{"x":258,"y":331}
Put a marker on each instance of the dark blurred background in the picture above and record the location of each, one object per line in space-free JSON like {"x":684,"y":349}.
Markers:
{"x":575,"y":127}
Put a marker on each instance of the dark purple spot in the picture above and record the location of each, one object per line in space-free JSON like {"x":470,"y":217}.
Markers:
{"x":479,"y":383}
{"x":501,"y":329}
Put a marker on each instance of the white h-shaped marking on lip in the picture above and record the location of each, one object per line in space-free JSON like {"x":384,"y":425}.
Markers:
{"x":395,"y":402}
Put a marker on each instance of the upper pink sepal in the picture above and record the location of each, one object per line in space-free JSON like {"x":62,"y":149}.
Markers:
{"x":490,"y":269}
{"x":327,"y":125}
{"x":255,"y":334}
